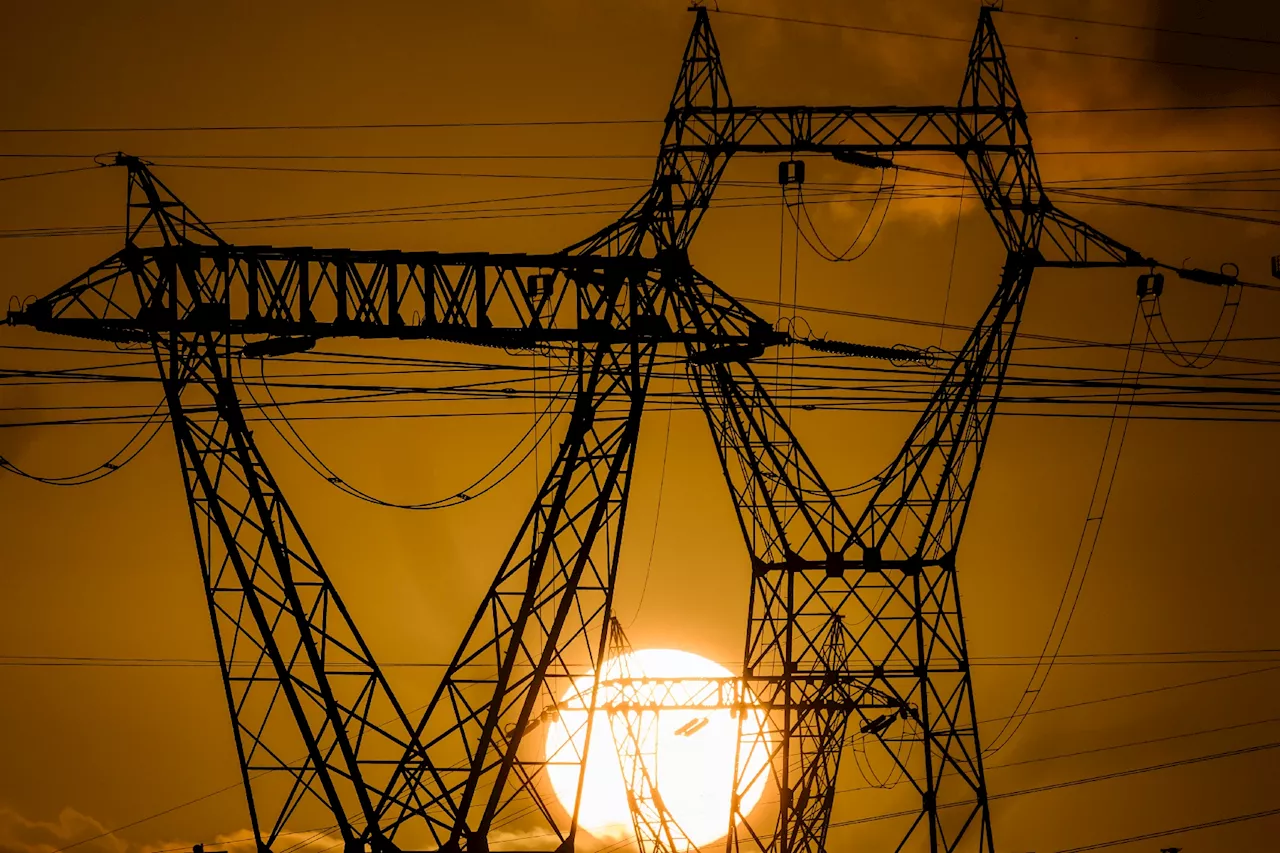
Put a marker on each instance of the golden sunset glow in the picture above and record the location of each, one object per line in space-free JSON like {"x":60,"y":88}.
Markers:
{"x":694,"y":764}
{"x":369,"y":370}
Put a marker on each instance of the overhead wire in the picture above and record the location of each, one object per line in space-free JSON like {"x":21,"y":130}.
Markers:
{"x":1141,"y":27}
{"x":1149,"y":691}
{"x":540,"y":427}
{"x":400,"y":173}
{"x":46,"y":174}
{"x":224,"y":128}
{"x":1082,"y":559}
{"x":898,"y":397}
{"x":819,"y":365}
{"x":1075,"y":197}
{"x":657,"y":512}
{"x":255,"y":128}
{"x":795,"y":297}
{"x":1044,"y":710}
{"x":1177,"y":830}
{"x":1067,"y":783}
{"x":462,"y":211}
{"x":167,"y":158}
{"x":1071,"y":783}
{"x":1204,"y":66}
{"x":1158,"y":330}
{"x":818,"y":393}
{"x":1057,"y":340}
{"x":813,"y":237}
{"x":1188,"y":657}
{"x":1134,"y":743}
{"x":117,"y":461}
{"x":951,"y":266}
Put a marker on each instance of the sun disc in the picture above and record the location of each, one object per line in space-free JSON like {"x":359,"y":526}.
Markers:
{"x":693,"y":762}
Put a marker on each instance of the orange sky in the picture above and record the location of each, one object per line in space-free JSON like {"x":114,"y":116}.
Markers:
{"x":1185,"y":561}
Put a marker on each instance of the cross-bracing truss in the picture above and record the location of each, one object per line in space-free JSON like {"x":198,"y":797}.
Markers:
{"x":854,"y":627}
{"x":633,"y":709}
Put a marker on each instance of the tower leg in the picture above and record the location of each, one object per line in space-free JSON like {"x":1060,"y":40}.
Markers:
{"x":315,"y":722}
{"x":543,"y":621}
{"x":891,"y":579}
{"x":795,"y":661}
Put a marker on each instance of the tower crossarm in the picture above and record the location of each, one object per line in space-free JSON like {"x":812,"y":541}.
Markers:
{"x":844,"y":691}
{"x":990,"y":137}
{"x":302,"y":293}
{"x":827,"y":130}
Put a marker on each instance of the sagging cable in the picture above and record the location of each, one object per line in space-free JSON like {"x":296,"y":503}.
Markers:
{"x":1150,"y":290}
{"x":122,"y":457}
{"x":791,"y":173}
{"x":494,"y":476}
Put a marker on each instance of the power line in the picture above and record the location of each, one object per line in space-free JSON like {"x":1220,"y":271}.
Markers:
{"x":643,"y":156}
{"x":1146,"y":151}
{"x":1147,"y":692}
{"x":1133,"y":743}
{"x":1071,"y":783}
{"x":341,"y":156}
{"x":149,"y":817}
{"x":108,"y":661}
{"x":1168,"y":108}
{"x":1142,"y":27}
{"x":646,"y":157}
{"x":236,"y":128}
{"x":48,"y":173}
{"x":1082,"y":560}
{"x":252,"y":128}
{"x":458,"y":211}
{"x":896,"y":406}
{"x":1164,"y":833}
{"x":1007,"y":45}
{"x":401,"y":172}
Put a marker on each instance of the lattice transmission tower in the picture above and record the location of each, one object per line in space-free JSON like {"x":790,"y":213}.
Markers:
{"x":854,"y":625}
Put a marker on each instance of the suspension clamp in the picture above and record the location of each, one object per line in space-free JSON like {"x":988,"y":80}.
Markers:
{"x":1150,"y":284}
{"x":791,"y":172}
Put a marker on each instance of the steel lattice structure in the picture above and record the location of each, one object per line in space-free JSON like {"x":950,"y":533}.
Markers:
{"x":633,"y":708}
{"x":854,"y":620}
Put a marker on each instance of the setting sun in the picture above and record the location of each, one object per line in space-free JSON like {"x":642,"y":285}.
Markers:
{"x":695,"y":747}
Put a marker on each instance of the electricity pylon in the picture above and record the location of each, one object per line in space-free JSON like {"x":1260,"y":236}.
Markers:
{"x":317,"y":725}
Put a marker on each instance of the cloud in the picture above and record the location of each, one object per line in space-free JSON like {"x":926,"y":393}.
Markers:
{"x":20,"y":835}
{"x":242,"y":841}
